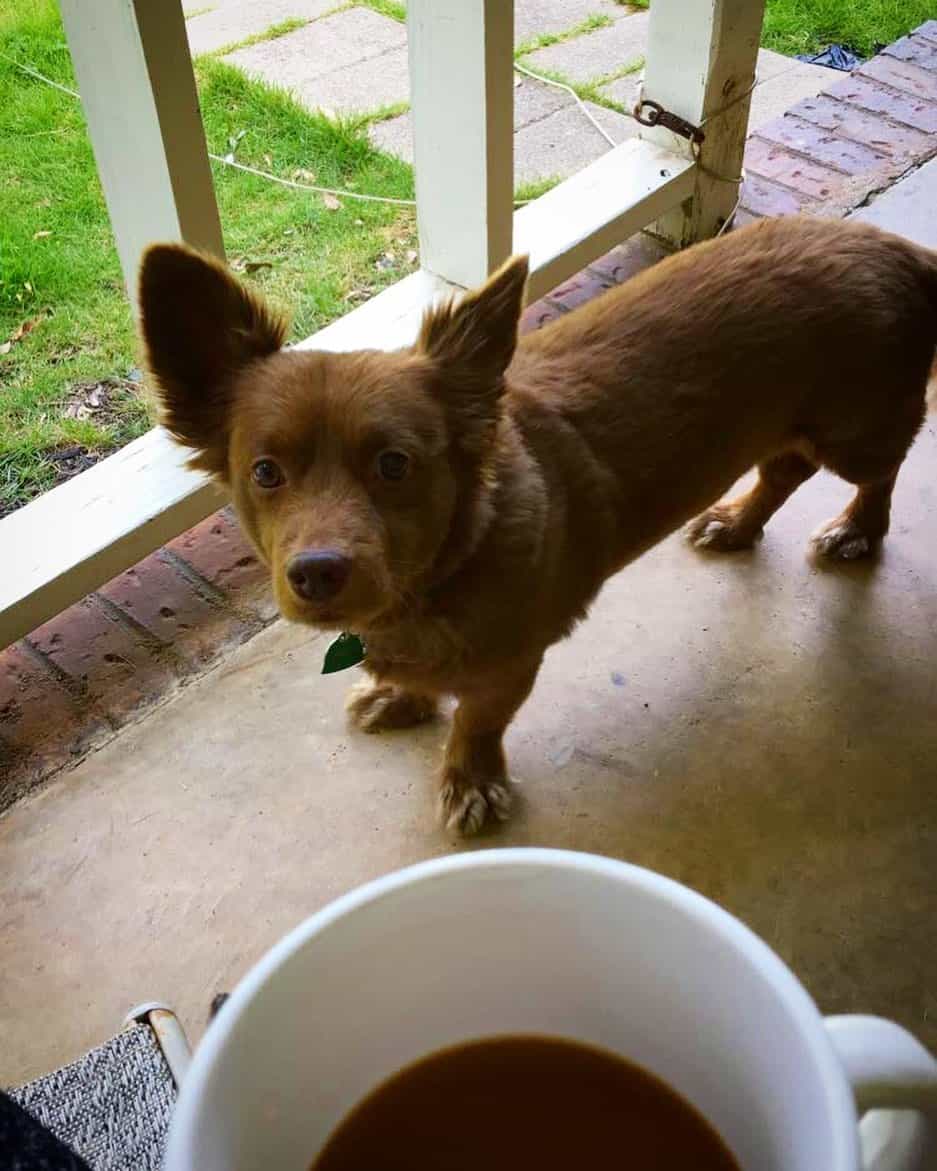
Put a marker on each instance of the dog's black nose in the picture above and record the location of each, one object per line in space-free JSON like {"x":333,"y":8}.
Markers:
{"x":317,"y":574}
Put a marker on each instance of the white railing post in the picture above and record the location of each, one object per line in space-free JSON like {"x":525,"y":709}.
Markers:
{"x":135,"y":77}
{"x":462,"y":100}
{"x":136,"y":80}
{"x":700,"y":57}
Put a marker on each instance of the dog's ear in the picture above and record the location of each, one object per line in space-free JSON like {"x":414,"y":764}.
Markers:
{"x":473,"y":340}
{"x":200,"y":326}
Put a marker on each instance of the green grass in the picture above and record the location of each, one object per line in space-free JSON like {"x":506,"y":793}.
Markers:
{"x":59,"y":272}
{"x":591,"y":91}
{"x":318,"y":256}
{"x":590,"y":24}
{"x":808,"y":26}
{"x":391,"y":8}
{"x":380,"y":114}
{"x":534,"y":188}
{"x":791,"y":26}
{"x":290,"y":25}
{"x":321,"y":262}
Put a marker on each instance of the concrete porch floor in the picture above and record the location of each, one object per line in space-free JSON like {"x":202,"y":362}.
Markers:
{"x":756,"y":728}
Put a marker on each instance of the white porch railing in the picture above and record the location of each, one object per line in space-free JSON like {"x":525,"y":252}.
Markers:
{"x":132,"y":62}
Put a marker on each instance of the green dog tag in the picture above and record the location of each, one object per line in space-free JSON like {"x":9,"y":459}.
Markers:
{"x":346,"y":651}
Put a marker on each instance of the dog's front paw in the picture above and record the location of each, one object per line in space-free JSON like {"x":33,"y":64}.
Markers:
{"x":383,"y":707}
{"x":466,"y":803}
{"x":720,"y":529}
{"x":844,"y":540}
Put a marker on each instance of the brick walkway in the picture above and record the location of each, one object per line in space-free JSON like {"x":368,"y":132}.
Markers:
{"x":77,"y":680}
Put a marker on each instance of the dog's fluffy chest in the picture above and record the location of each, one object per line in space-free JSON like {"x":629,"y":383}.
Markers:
{"x":419,"y":651}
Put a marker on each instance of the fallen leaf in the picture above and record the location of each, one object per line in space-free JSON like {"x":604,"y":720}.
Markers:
{"x":385,"y":262}
{"x":306,"y":176}
{"x":412,"y":256}
{"x":268,"y":159}
{"x":85,"y":400}
{"x":331,"y":202}
{"x":6,"y":347}
{"x":22,"y":330}
{"x":242,"y":264}
{"x":359,"y":223}
{"x":358,"y":294}
{"x":41,"y":235}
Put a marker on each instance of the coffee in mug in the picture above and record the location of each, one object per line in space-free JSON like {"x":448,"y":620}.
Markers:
{"x":517,"y":943}
{"x":509,"y":1102}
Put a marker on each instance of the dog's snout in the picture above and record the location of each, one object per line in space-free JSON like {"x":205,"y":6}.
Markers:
{"x":317,"y":575}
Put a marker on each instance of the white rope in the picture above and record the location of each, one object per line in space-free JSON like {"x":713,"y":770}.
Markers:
{"x":40,"y":77}
{"x":736,"y":179}
{"x":343,"y":193}
{"x":568,"y":89}
{"x":337,"y":191}
{"x":734,"y":102}
{"x":726,"y":223}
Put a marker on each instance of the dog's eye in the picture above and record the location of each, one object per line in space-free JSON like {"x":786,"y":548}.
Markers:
{"x":392,"y":465}
{"x":266,"y":473}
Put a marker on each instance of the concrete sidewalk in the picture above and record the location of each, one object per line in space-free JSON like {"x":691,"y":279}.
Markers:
{"x":353,"y":60}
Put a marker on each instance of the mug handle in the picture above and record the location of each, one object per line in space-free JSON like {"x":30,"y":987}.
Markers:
{"x":894,"y":1080}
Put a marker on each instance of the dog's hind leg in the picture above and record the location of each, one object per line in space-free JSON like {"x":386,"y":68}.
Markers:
{"x":859,"y":529}
{"x":870,"y":460}
{"x":737,"y":524}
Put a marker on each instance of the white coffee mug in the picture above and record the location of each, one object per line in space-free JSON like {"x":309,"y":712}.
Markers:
{"x":551,"y":943}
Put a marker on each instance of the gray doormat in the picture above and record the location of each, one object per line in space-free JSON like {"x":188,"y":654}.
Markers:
{"x":112,"y":1106}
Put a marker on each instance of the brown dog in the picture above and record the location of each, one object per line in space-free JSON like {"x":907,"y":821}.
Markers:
{"x":459,"y":504}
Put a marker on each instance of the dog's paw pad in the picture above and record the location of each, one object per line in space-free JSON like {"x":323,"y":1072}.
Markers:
{"x":464,"y":808}
{"x":843,"y":541}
